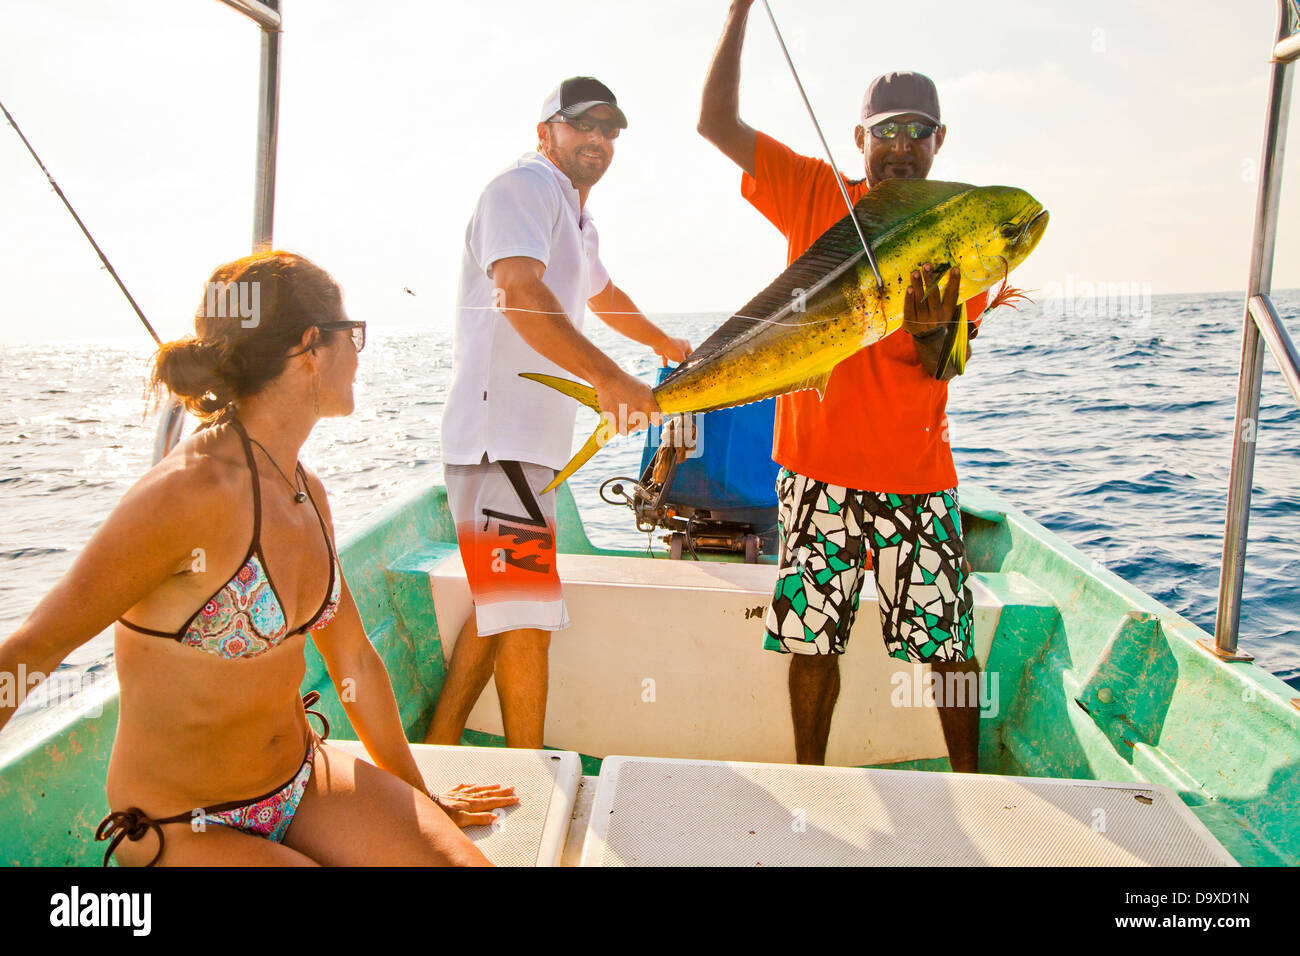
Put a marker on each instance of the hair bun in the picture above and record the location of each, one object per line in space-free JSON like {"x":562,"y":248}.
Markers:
{"x":192,"y":371}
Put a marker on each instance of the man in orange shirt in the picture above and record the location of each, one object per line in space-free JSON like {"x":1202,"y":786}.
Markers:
{"x":867,"y":469}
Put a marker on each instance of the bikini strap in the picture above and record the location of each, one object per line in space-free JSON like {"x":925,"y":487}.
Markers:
{"x":306,"y":486}
{"x":132,"y":824}
{"x":177,"y":636}
{"x":257,"y":481}
{"x":308,"y":700}
{"x":335,"y":570}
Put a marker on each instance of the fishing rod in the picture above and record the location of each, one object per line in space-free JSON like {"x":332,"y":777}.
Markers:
{"x":86,"y":232}
{"x":839,"y":180}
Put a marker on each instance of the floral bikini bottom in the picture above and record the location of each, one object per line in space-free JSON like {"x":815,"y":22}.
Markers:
{"x":267,"y":816}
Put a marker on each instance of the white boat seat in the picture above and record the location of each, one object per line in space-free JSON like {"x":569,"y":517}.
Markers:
{"x":653,"y":812}
{"x":531,"y":833}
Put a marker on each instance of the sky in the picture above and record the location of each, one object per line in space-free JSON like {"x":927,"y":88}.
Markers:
{"x":1138,"y":123}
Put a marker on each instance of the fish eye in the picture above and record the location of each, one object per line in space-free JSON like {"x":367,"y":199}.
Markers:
{"x":1008,"y":230}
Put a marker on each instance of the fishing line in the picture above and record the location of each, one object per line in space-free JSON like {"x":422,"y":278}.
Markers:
{"x":763,"y":321}
{"x":86,"y":232}
{"x":756,"y":320}
{"x":839,"y":180}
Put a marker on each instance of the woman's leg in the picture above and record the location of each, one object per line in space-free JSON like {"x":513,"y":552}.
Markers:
{"x":354,"y":814}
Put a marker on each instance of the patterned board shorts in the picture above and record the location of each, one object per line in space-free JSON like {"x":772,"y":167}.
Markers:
{"x":506,"y":533}
{"x":916,"y":549}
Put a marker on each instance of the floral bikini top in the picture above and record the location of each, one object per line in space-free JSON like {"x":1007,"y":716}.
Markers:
{"x":245,"y":617}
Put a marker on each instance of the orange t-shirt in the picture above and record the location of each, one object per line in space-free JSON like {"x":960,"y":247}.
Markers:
{"x":881,"y":425}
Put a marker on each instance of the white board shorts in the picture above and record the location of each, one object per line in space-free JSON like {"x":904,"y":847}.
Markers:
{"x":505,"y":529}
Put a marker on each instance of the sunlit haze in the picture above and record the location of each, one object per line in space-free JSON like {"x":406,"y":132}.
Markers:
{"x":1138,"y":124}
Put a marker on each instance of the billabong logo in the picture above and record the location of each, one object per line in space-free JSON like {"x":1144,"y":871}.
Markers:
{"x":102,"y":909}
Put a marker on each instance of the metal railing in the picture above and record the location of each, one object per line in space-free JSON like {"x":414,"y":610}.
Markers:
{"x":266,"y":15}
{"x":1261,"y":327}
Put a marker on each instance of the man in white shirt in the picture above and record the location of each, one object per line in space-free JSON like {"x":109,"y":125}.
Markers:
{"x":530,"y":268}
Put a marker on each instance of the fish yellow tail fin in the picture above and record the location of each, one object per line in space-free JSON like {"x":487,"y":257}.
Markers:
{"x":594,"y":444}
{"x":960,"y":343}
{"x":1007,"y":295}
{"x":583,"y":393}
{"x":587,"y":396}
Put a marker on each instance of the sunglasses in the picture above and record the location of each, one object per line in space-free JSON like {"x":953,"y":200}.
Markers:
{"x":914,"y":130}
{"x":358,"y":330}
{"x":584,"y":125}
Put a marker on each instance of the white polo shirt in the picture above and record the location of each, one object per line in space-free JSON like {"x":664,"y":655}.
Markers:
{"x":530,"y":209}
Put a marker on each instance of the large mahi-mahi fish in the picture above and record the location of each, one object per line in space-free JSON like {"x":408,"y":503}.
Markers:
{"x":826,"y":305}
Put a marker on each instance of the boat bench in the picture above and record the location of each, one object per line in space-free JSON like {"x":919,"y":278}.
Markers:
{"x":531,"y":833}
{"x":658,"y":812}
{"x":653,"y":812}
{"x":664,"y":658}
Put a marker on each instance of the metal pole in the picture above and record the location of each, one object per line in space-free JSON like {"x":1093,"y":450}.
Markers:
{"x":1237,"y":521}
{"x":265,"y":15}
{"x":1278,"y":341}
{"x":268,"y":122}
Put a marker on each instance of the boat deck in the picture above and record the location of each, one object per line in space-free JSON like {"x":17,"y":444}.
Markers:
{"x":657,"y":812}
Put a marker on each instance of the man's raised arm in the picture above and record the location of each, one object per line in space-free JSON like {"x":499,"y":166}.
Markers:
{"x":720,"y":121}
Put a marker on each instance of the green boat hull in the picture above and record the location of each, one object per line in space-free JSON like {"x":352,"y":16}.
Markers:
{"x":1097,"y":681}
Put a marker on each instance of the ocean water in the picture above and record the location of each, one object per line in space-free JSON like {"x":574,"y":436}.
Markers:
{"x":1114,"y":431}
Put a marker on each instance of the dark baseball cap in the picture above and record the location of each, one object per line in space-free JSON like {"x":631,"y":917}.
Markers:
{"x":578,"y":94}
{"x":894,"y":94}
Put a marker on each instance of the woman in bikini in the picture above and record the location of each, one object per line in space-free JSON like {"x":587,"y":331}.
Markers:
{"x":215,"y":566}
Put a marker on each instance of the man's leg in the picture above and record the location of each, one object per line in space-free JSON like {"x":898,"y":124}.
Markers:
{"x":522,"y":675}
{"x":926,"y":606}
{"x":506,"y":532}
{"x":959,"y":712}
{"x":814,"y":688}
{"x":471,"y":666}
{"x":519,"y":659}
{"x":815,"y":600}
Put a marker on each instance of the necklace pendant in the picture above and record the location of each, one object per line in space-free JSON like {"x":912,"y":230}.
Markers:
{"x":299,"y":497}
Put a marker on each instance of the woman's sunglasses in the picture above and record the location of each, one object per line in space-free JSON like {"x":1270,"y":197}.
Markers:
{"x":358,"y":330}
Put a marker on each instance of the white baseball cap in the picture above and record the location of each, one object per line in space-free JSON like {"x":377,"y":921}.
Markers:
{"x":578,"y":94}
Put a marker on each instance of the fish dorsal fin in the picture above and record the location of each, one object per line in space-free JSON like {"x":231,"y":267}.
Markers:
{"x":889,"y":204}
{"x":898,"y":200}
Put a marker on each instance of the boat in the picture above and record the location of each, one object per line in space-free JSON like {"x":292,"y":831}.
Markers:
{"x":1114,"y":731}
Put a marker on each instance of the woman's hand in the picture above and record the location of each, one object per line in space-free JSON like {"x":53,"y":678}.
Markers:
{"x":471,"y":806}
